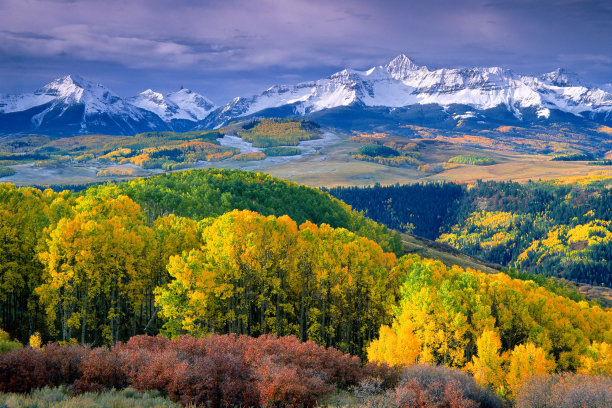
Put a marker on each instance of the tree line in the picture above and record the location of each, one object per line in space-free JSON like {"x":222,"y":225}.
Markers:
{"x":554,"y":230}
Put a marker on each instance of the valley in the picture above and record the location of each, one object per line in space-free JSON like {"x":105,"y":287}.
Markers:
{"x":328,"y":162}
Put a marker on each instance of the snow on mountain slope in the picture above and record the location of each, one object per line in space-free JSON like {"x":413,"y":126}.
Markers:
{"x":402,"y":83}
{"x":184,"y":104}
{"x":84,"y":107}
{"x":74,"y":105}
{"x":15,"y":103}
{"x":195,"y":106}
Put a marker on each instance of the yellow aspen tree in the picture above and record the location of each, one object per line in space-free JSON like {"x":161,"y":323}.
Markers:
{"x":487,"y":365}
{"x":396,"y":345}
{"x":598,"y":359}
{"x":527,"y":360}
{"x":96,"y":271}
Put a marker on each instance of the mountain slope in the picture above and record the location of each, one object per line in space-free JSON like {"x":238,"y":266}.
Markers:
{"x":399,"y":92}
{"x":181,"y":105}
{"x":401,"y":83}
{"x":72,"y":105}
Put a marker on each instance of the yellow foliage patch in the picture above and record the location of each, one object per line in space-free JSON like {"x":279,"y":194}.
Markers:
{"x":605,"y":129}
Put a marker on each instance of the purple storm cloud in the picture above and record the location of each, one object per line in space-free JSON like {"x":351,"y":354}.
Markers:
{"x":234,"y":47}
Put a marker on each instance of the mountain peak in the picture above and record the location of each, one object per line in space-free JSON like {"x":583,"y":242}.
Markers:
{"x":400,"y":66}
{"x":562,"y":77}
{"x":72,"y":80}
{"x":184,"y":90}
{"x":153,"y":96}
{"x":77,"y":89}
{"x":182,"y":104}
{"x":198,"y":105}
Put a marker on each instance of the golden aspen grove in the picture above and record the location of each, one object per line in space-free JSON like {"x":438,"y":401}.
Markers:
{"x":267,"y":280}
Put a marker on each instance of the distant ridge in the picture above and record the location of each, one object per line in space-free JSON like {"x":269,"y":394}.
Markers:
{"x":466,"y":93}
{"x":399,"y":91}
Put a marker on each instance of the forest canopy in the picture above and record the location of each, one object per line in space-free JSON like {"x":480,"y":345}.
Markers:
{"x":554,"y":230}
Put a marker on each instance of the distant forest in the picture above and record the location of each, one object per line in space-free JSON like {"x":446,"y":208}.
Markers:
{"x":555,"y":230}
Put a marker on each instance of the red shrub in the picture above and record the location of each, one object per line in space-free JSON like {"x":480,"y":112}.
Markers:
{"x":154,"y":344}
{"x":288,"y":386}
{"x":156,"y":370}
{"x":63,"y":363}
{"x":335,"y":367}
{"x":188,"y":347}
{"x":214,"y":380}
{"x":214,"y":371}
{"x":22,"y":371}
{"x":226,"y":344}
{"x":102,"y":368}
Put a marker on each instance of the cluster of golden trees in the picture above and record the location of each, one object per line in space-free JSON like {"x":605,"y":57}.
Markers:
{"x":257,"y":275}
{"x":82,"y":267}
{"x":89,"y":267}
{"x":279,"y":132}
{"x":501,"y":329}
{"x":536,"y":242}
{"x":93,"y":268}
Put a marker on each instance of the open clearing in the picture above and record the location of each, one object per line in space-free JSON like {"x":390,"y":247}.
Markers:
{"x":327,"y":162}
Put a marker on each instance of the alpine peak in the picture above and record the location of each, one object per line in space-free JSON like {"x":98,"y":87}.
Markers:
{"x":562,"y":77}
{"x":399,"y":66}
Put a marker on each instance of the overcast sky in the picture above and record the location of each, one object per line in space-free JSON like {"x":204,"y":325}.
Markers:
{"x":228,"y":48}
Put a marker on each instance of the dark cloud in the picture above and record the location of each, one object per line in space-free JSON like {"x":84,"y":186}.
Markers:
{"x":236,"y":47}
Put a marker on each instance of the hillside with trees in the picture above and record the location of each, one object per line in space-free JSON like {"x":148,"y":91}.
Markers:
{"x":560,"y":230}
{"x":229,"y":288}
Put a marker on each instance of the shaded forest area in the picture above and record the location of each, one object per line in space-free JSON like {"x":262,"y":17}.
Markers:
{"x":554,"y":230}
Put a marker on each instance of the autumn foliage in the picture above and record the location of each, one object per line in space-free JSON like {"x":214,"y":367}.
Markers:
{"x":215,"y":371}
{"x":428,"y":386}
{"x":279,"y":132}
{"x":257,"y":275}
{"x":502,"y":330}
{"x":565,"y":391}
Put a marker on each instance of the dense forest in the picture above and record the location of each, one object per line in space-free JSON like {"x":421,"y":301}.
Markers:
{"x":85,"y":265}
{"x":490,"y":325}
{"x":555,"y":230}
{"x":258,"y":287}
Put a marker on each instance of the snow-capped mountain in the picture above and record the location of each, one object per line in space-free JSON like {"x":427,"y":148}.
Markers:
{"x":73,"y":105}
{"x":70,"y":105}
{"x":181,"y":105}
{"x":401,"y":83}
{"x":400,"y":91}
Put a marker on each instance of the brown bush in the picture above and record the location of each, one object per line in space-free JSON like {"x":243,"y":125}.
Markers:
{"x":214,"y":380}
{"x":153,"y":371}
{"x":102,"y":368}
{"x":188,"y":347}
{"x":22,"y":370}
{"x":63,"y":363}
{"x":437,"y":394}
{"x":448,"y":383}
{"x":154,"y":344}
{"x":335,"y":367}
{"x":427,"y":386}
{"x":387,"y":375}
{"x":289,"y":386}
{"x":214,"y":371}
{"x":565,"y":391}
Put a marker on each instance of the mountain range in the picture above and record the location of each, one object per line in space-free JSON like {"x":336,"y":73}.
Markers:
{"x":400,"y":92}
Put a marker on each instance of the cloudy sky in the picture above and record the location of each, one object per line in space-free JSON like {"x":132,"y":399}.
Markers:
{"x":227,"y":48}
